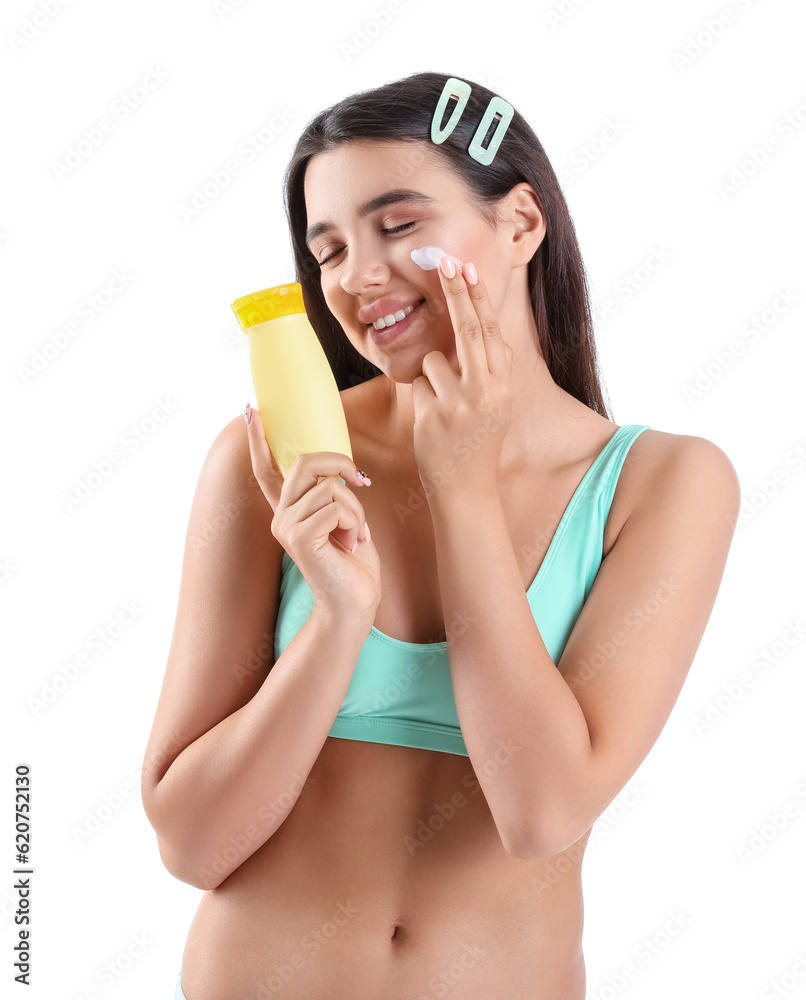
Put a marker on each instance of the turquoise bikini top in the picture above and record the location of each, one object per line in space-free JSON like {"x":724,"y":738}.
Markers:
{"x":401,"y":692}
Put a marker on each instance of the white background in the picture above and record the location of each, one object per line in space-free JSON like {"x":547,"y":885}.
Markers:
{"x":670,"y":844}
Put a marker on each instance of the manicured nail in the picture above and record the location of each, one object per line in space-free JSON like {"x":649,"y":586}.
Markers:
{"x":447,"y":266}
{"x":363,"y":477}
{"x":247,"y":413}
{"x":368,"y":536}
{"x":469,"y":272}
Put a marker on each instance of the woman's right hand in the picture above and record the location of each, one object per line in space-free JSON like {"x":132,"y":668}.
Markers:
{"x":317,"y":520}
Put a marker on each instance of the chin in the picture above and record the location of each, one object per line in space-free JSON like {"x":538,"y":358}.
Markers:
{"x":402,"y":374}
{"x":406,"y":372}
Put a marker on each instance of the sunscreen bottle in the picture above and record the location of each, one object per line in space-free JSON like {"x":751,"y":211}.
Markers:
{"x":295,"y":389}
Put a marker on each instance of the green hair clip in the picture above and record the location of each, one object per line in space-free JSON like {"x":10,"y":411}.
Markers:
{"x":497,"y":106}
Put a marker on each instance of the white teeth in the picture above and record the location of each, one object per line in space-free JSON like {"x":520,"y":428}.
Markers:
{"x":392,"y":318}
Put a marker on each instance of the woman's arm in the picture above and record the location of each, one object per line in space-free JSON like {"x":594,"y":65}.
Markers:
{"x":576,"y":735}
{"x":234,"y":731}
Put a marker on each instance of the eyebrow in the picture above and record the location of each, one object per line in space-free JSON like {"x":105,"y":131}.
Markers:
{"x":389,"y":198}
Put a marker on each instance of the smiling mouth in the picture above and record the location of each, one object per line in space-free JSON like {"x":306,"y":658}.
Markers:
{"x":398,"y":330}
{"x":394,"y":318}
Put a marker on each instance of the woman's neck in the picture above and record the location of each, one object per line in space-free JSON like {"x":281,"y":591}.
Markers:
{"x":545,"y":423}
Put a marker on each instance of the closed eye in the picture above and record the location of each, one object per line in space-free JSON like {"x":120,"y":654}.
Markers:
{"x":386,"y":232}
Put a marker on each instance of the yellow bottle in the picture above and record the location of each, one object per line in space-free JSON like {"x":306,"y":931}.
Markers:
{"x":295,"y":389}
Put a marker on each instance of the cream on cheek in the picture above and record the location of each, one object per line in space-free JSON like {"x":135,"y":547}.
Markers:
{"x":428,"y":257}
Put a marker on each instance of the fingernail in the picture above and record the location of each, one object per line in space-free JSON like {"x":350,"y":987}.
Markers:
{"x":470,"y":274}
{"x":355,"y":545}
{"x":366,"y":531}
{"x":247,"y":413}
{"x":363,"y":477}
{"x":447,"y":266}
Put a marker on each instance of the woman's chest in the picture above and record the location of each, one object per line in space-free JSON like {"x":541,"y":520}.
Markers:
{"x":410,"y":608}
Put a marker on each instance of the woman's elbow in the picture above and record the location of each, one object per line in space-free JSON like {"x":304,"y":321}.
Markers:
{"x":186,"y":869}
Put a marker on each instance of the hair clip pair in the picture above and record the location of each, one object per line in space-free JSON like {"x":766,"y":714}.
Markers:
{"x":497,"y":107}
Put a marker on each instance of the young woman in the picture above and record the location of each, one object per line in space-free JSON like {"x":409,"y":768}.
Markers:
{"x":396,"y":703}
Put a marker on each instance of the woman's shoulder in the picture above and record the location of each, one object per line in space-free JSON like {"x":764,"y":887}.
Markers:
{"x":232,"y":443}
{"x":690,"y":465}
{"x":660,"y":449}
{"x":229,"y":460}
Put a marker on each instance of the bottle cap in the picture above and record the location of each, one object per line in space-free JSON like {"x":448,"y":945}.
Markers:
{"x":270,"y":303}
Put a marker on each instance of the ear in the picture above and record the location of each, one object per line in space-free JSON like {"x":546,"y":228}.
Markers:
{"x":524,"y":212}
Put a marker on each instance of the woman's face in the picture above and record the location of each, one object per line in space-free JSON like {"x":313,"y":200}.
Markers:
{"x":362,"y":264}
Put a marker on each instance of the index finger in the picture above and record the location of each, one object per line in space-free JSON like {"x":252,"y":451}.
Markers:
{"x":305,"y":471}
{"x":264,"y":468}
{"x":479,"y":346}
{"x":310,"y":468}
{"x":494,"y":345}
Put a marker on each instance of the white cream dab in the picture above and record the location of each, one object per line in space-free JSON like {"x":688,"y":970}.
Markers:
{"x":428,"y":258}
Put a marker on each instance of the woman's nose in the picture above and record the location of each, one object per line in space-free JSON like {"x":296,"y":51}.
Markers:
{"x":367,"y":267}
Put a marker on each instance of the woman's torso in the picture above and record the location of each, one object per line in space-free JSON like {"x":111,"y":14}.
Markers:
{"x":388,"y":878}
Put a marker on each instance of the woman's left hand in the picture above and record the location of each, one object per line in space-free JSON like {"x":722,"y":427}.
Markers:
{"x":460,"y":421}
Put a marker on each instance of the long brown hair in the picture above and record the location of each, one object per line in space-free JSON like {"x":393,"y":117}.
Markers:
{"x":402,"y":110}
